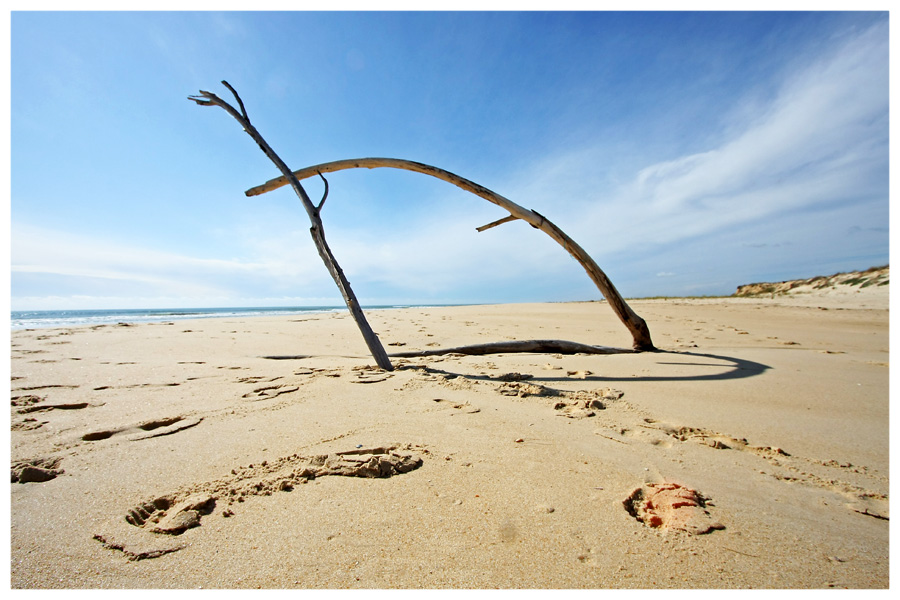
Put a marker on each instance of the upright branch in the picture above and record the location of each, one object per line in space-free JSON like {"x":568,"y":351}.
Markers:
{"x":316,"y":230}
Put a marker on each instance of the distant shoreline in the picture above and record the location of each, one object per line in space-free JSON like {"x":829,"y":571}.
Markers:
{"x":42,"y":319}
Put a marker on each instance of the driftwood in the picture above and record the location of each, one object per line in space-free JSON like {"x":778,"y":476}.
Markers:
{"x":317,"y":230}
{"x":635,"y":324}
{"x":539,"y":346}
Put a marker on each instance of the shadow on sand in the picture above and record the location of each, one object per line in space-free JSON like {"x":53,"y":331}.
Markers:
{"x":725,"y":367}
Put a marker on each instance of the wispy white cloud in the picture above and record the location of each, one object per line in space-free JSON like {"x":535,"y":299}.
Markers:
{"x":442,"y":259}
{"x":822,"y":139}
{"x":38,"y":251}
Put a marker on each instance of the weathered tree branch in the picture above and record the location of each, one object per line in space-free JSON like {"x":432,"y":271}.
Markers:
{"x":635,"y":324}
{"x":317,"y":230}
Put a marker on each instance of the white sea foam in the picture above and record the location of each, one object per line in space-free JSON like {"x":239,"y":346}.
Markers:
{"x":41,"y":319}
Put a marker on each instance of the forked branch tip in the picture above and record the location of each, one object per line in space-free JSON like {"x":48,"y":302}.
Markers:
{"x":238,"y":98}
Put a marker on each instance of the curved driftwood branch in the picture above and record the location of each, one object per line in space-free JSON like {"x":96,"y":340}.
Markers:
{"x":635,"y":324}
{"x":317,"y":230}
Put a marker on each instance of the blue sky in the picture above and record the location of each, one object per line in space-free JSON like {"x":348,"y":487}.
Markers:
{"x":687,"y":152}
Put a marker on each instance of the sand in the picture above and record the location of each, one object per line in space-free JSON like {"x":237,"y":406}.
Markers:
{"x":751,"y":453}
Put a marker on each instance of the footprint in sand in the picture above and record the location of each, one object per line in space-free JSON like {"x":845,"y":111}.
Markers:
{"x":26,"y":400}
{"x":48,"y":407}
{"x":265,"y":478}
{"x":712,"y":439}
{"x":514,"y":377}
{"x":157,"y":517}
{"x":463,"y":407}
{"x":270,"y":391}
{"x":872,"y":505}
{"x":146,"y":430}
{"x":577,"y":404}
{"x":43,"y":387}
{"x":364,"y":377}
{"x":161,"y":516}
{"x":36,"y":470}
{"x":671,"y":506}
{"x":29,"y":403}
{"x":27,"y":424}
{"x":171,"y":515}
{"x":258,"y":379}
{"x":579,"y":374}
{"x":792,"y":469}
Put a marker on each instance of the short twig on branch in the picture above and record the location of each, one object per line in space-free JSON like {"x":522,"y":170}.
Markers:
{"x":496,"y":223}
{"x":324,"y":196}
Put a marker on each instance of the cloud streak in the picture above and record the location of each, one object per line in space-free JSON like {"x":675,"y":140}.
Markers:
{"x":818,"y":142}
{"x":48,"y":254}
{"x":821,"y":142}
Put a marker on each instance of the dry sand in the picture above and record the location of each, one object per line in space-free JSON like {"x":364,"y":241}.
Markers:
{"x":751,"y":453}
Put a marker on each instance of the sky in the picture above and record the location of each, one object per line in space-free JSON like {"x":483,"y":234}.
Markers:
{"x":687,"y":152}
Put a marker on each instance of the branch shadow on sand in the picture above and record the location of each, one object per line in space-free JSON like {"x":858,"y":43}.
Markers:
{"x":728,"y":368}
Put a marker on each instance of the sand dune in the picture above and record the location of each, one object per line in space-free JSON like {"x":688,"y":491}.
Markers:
{"x":752,"y":451}
{"x":858,"y":289}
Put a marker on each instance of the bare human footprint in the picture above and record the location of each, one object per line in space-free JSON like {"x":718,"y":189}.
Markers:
{"x":270,"y":391}
{"x":36,"y":470}
{"x":671,"y":506}
{"x":163,"y":516}
{"x":147,"y":429}
{"x":173,"y":514}
{"x":156,"y":516}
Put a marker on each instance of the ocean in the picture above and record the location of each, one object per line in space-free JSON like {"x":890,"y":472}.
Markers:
{"x":34,"y":319}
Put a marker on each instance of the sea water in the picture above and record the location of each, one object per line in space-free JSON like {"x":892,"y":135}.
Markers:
{"x":33,"y":319}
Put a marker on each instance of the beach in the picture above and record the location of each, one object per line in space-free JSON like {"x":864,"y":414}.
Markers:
{"x":751,"y":451}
